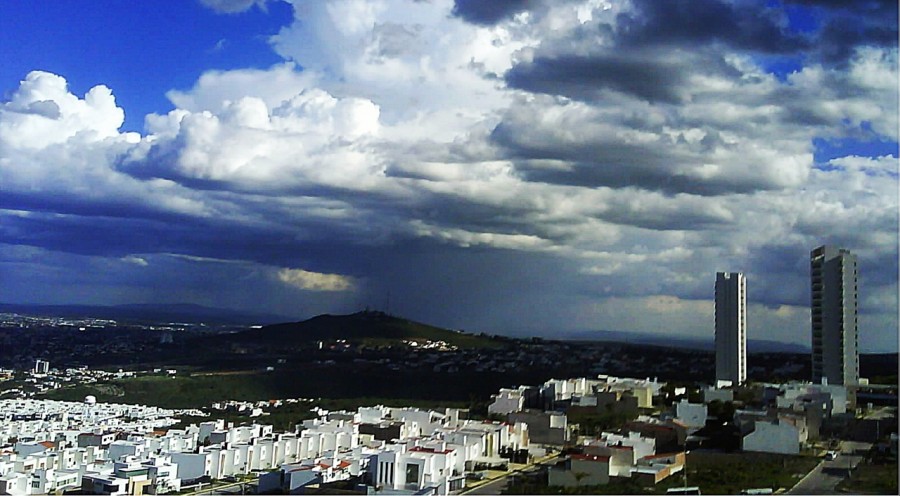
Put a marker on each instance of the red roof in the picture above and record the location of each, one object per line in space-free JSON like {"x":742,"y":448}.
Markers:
{"x":48,"y":444}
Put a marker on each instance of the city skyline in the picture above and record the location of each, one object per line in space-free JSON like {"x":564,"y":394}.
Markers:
{"x":515,"y":167}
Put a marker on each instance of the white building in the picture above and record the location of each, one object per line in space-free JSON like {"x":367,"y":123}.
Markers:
{"x":41,"y":367}
{"x":774,"y":436}
{"x":507,"y":401}
{"x":693,"y":415}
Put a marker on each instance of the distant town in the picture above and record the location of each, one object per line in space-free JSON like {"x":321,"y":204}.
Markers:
{"x":371,"y":403}
{"x":624,"y":433}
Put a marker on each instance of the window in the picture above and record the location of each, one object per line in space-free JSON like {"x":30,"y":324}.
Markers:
{"x":412,"y":473}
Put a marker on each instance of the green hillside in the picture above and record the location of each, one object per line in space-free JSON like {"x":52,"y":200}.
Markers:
{"x":362,"y":327}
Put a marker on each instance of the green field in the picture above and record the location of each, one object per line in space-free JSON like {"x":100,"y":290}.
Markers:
{"x":201,"y":390}
{"x":872,"y":478}
{"x":729,"y":473}
{"x":173,"y":392}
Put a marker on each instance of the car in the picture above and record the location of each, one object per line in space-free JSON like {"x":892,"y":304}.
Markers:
{"x":831,"y":455}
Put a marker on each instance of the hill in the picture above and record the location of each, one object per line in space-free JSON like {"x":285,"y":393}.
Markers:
{"x":367,"y":327}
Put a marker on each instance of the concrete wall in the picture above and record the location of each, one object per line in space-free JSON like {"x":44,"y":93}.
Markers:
{"x":771,"y":437}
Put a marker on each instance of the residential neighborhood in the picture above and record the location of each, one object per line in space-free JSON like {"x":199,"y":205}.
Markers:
{"x":569,"y":433}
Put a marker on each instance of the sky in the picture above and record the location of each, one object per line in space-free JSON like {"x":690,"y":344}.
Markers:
{"x":521,"y":167}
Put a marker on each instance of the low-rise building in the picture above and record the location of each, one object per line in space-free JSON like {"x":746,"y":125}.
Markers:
{"x":580,"y":470}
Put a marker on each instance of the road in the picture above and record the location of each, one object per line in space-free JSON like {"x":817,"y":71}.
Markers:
{"x":491,"y":487}
{"x":496,"y":485}
{"x":232,"y":488}
{"x":827,"y":474}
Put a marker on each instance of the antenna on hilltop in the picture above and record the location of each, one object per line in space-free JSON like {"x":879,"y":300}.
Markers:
{"x":387,"y":309}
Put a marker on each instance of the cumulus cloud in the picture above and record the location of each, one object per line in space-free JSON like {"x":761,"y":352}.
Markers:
{"x":42,"y":112}
{"x":314,"y":281}
{"x":489,"y":161}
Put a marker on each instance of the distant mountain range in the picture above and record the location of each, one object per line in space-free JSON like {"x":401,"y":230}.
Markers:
{"x":652,"y":339}
{"x":182,"y":312}
{"x":369,"y":325}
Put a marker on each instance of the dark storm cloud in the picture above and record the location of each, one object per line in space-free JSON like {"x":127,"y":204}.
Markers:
{"x":700,"y":22}
{"x":845,"y":25}
{"x":604,"y":162}
{"x":487,"y":12}
{"x":79,"y":205}
{"x":587,"y":77}
{"x":841,"y":38}
{"x":208,"y":238}
{"x":780,"y":275}
{"x":474,"y":289}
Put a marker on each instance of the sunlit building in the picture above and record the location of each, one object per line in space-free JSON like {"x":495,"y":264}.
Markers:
{"x":835,"y":340}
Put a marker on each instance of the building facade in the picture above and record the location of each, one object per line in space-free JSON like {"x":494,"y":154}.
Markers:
{"x":835,"y":353}
{"x":731,"y":327}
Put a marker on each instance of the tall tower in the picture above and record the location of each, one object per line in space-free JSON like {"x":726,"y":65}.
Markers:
{"x":731,"y":327}
{"x":835,"y":350}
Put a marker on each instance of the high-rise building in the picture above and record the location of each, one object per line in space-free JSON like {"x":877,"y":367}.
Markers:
{"x":731,"y":327}
{"x":835,"y":350}
{"x":41,"y":367}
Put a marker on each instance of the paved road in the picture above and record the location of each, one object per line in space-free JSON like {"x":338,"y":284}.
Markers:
{"x":826,"y":475}
{"x":495,"y":486}
{"x":232,"y":488}
{"x":492,"y":487}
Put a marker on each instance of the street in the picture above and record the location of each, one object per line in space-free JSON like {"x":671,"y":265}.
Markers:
{"x":232,"y":488}
{"x":827,"y":474}
{"x":496,"y":485}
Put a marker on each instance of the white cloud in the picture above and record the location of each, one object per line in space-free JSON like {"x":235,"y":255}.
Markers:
{"x":141,"y":262}
{"x":42,"y":113}
{"x":215,"y":88}
{"x":314,"y":281}
{"x":400,"y":130}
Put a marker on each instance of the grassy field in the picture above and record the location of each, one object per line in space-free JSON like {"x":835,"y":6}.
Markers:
{"x":869,"y":478}
{"x":729,"y":473}
{"x":173,"y":392}
{"x":201,"y":390}
{"x":335,"y":382}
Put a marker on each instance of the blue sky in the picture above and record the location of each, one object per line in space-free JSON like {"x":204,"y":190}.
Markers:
{"x":141,"y":50}
{"x":519,"y":166}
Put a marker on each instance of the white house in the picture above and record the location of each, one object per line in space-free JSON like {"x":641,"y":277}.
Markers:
{"x":693,"y":415}
{"x":773,"y":436}
{"x":507,"y":401}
